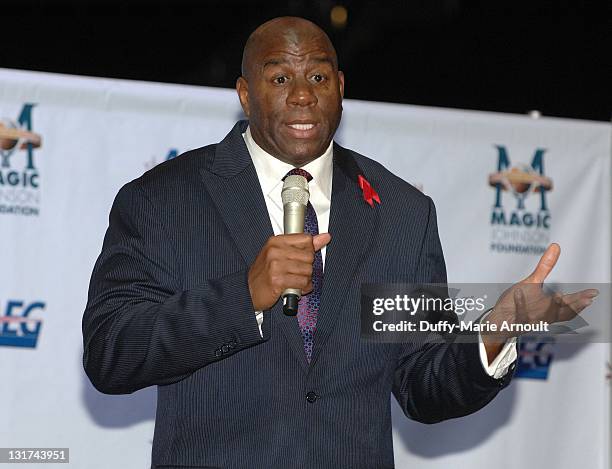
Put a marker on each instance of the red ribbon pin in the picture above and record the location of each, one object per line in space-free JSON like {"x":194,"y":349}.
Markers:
{"x":369,"y":194}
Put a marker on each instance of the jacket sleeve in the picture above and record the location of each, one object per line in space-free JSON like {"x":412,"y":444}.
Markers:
{"x":441,"y":379}
{"x":139,"y":327}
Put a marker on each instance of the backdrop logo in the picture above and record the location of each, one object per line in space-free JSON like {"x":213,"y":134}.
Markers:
{"x":19,"y":326}
{"x":19,"y":176}
{"x":520,"y":218}
{"x":534,"y":357}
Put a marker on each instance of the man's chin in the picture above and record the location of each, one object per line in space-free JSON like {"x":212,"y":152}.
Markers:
{"x":302,"y":158}
{"x":297,"y":153}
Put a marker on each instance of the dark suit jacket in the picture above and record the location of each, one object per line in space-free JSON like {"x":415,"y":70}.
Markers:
{"x":169,"y":305}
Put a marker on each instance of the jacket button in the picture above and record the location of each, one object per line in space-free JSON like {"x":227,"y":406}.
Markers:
{"x":311,"y":397}
{"x":225,"y":348}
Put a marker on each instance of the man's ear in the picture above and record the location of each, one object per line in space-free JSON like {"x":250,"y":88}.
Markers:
{"x":341,"y":83}
{"x":242,"y":88}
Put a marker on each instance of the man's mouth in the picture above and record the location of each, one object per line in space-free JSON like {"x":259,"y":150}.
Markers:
{"x":306,"y":130}
{"x":302,"y":126}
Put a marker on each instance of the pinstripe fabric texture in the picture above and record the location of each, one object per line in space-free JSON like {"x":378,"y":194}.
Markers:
{"x":169,"y":305}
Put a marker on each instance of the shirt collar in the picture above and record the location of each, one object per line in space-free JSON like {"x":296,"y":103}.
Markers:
{"x":271,"y":170}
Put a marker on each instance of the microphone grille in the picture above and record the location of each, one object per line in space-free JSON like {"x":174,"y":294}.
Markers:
{"x":295,"y":189}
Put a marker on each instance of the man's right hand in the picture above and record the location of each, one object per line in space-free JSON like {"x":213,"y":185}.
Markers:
{"x":285,"y":261}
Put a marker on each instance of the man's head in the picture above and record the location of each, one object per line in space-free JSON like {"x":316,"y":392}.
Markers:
{"x":291,"y":89}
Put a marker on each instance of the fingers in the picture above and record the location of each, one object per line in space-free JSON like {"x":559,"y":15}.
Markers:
{"x":321,"y":240}
{"x":573,"y":304}
{"x":301,"y":282}
{"x":297,"y":255}
{"x":297,"y":247}
{"x":533,"y":305}
{"x":520,"y":304}
{"x":302,"y":241}
{"x":570,"y":298}
{"x":298,"y":268}
{"x":285,"y":261}
{"x":591,"y":293}
{"x":297,"y":240}
{"x":545,"y":265}
{"x":308,"y":288}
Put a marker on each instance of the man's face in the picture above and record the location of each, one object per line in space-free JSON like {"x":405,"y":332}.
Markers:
{"x":292,"y":95}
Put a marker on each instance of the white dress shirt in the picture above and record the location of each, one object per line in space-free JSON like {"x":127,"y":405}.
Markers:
{"x":270,"y":172}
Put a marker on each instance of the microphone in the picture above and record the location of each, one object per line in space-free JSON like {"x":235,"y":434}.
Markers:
{"x":295,"y":199}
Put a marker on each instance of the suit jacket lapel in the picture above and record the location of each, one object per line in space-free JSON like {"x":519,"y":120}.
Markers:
{"x":233,"y":185}
{"x":352,"y":223}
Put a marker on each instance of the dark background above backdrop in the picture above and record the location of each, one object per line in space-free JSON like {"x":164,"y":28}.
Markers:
{"x":508,"y":56}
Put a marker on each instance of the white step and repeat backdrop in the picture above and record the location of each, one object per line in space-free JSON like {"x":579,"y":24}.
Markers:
{"x":67,"y":144}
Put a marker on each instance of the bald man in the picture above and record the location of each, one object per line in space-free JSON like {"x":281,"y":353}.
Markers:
{"x":185,"y":294}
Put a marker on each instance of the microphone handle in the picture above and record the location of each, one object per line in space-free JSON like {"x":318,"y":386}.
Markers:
{"x":294,"y":214}
{"x":291,"y":300}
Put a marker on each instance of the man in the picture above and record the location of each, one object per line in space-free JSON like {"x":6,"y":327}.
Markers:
{"x":185,"y":294}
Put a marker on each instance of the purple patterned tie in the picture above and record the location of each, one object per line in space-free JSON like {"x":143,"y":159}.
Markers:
{"x":308,"y":307}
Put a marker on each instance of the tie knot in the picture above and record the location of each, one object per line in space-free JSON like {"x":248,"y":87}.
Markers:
{"x":299,"y":172}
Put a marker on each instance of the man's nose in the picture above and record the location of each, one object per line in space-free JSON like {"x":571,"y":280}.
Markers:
{"x":301,"y":94}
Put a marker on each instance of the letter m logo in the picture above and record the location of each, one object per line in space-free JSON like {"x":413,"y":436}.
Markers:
{"x":504,"y":164}
{"x":24,"y":121}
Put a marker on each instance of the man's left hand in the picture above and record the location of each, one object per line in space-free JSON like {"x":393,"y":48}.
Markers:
{"x":527,"y":303}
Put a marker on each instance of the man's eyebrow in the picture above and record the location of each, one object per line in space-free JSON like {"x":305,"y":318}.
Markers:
{"x":324,"y":59}
{"x":320,"y":59}
{"x":274,"y":62}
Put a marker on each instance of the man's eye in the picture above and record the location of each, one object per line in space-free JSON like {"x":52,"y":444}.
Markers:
{"x":280,"y":80}
{"x":318,"y":78}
